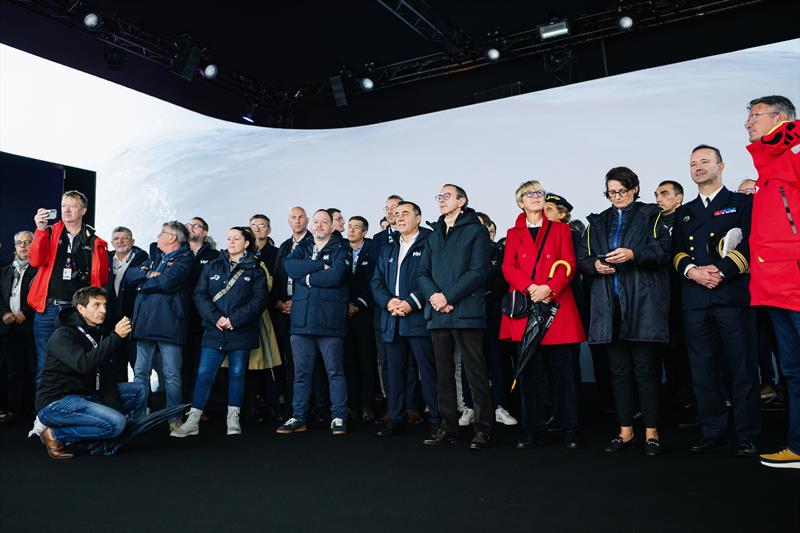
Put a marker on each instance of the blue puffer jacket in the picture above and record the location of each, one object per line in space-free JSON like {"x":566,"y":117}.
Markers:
{"x":321,"y":288}
{"x":383,"y":289}
{"x":242,"y":304}
{"x":161,"y":312}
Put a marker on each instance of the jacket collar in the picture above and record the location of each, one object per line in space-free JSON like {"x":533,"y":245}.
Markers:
{"x":784,"y":136}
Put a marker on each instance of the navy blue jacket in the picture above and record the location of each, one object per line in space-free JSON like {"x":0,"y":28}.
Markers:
{"x":384,"y":238}
{"x":279,"y":277}
{"x":383,"y":284}
{"x":695,"y":240}
{"x":319,"y":303}
{"x":162,"y":308}
{"x":360,"y":290}
{"x":120,"y":305}
{"x":242,"y":304}
{"x":457,"y":265}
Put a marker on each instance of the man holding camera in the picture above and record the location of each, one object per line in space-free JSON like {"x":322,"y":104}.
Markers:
{"x":68,"y":256}
{"x":78,"y":399}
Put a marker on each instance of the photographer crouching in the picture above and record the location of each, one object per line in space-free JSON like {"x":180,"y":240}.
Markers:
{"x":78,"y":400}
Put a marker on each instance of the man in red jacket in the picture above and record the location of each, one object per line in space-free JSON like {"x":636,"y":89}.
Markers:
{"x":68,"y":256}
{"x":775,"y":245}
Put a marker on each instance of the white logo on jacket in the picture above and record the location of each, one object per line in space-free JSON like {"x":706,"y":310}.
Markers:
{"x":215,"y":277}
{"x":417,"y":253}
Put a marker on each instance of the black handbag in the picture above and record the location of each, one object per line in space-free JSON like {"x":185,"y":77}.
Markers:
{"x":518,"y":304}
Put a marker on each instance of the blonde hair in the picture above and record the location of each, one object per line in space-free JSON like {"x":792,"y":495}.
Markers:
{"x":530,"y":184}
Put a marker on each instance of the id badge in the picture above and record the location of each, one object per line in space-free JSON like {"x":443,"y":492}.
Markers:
{"x":67,"y":274}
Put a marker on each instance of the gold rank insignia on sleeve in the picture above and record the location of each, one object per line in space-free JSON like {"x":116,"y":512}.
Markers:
{"x":678,"y":258}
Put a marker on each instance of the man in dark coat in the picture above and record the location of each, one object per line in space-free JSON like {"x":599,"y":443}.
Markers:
{"x":161,"y":314}
{"x":710,"y":251}
{"x":77,"y":401}
{"x":452,"y":276}
{"x":121,"y":297}
{"x":403,"y":327}
{"x":360,"y":361}
{"x":280,"y":297}
{"x":16,"y":323}
{"x":321,"y":275}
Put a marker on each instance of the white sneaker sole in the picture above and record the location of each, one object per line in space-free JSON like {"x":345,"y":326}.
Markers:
{"x":234,"y":432}
{"x":182,"y":435}
{"x":793,"y":464}
{"x":506,"y":422}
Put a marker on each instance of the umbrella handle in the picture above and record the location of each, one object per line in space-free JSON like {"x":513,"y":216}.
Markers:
{"x":555,"y":265}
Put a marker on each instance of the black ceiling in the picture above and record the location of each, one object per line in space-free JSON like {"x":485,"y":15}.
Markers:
{"x":302,"y":43}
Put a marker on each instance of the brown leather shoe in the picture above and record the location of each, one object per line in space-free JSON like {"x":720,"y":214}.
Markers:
{"x":55,"y":449}
{"x":413,"y":418}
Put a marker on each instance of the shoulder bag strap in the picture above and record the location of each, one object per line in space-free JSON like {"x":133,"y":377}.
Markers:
{"x":228,"y":286}
{"x":541,"y":248}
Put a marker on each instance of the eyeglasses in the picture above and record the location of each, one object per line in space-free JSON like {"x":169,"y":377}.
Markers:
{"x":23,"y":243}
{"x":534,"y":194}
{"x":258,"y":226}
{"x":622,"y":193}
{"x":121,"y":239}
{"x":192,"y":225}
{"x":167,"y":233}
{"x":752,"y":117}
{"x":748,"y":190}
{"x":446,"y":196}
{"x":390,"y":208}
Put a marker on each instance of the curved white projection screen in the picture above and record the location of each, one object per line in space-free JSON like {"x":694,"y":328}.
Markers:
{"x":155,"y":161}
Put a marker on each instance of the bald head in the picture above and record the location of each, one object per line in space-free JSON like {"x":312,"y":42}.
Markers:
{"x":747,"y":186}
{"x":298,"y":221}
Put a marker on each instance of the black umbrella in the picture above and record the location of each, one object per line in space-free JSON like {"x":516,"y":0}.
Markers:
{"x":539,"y":321}
{"x":133,"y":429}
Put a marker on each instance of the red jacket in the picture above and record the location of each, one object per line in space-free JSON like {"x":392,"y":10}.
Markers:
{"x":518,"y":262}
{"x":43,"y":252}
{"x":775,"y":232}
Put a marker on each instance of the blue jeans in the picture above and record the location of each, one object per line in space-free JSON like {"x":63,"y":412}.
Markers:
{"x":43,"y":326}
{"x":210,"y":361}
{"x":787,"y":331}
{"x":77,"y":418}
{"x":171,"y":361}
{"x":304,"y":349}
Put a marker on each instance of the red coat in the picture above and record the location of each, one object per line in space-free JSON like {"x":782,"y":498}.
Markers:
{"x":518,"y":262}
{"x":44,"y":249}
{"x":774,"y":240}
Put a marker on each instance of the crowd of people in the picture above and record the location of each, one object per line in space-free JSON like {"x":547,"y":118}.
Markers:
{"x":435,"y":321}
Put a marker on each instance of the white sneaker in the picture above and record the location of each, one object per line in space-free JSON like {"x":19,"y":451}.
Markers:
{"x":37,"y":429}
{"x":504,"y":417}
{"x":467,"y":416}
{"x":190,"y":427}
{"x":234,"y":427}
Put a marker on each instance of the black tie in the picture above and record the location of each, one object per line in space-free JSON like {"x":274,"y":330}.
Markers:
{"x":708,"y":201}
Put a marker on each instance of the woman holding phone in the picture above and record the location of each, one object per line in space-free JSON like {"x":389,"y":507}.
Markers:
{"x":625,"y":254}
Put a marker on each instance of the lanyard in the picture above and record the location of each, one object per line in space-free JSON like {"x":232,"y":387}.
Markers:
{"x":94,"y":345}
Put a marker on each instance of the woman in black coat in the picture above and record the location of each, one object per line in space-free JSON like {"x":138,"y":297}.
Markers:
{"x":625,"y":254}
{"x":230,"y":295}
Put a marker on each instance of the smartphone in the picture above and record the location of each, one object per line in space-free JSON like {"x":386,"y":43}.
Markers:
{"x":602,"y":258}
{"x":51,"y":214}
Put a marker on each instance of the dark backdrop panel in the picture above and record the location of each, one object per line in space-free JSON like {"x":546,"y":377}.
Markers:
{"x":26,"y":185}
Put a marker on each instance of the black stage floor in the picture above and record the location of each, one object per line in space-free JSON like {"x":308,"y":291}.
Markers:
{"x":261,"y":481}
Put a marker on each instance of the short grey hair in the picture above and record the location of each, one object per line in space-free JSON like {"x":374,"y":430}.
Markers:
{"x":178,"y":229}
{"x":122,"y":229}
{"x":780,"y":104}
{"x":23,"y":232}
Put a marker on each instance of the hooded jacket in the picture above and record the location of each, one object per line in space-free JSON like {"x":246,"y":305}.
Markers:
{"x":242,"y":304}
{"x":558,"y":258}
{"x":775,"y":229}
{"x":456,"y":264}
{"x":643,"y":283}
{"x":44,"y":250}
{"x":383,"y":289}
{"x":321,"y":288}
{"x":72,"y":362}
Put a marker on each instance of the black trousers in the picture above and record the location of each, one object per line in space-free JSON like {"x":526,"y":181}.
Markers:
{"x":20,"y":351}
{"x":551,"y":369}
{"x":284,"y":375}
{"x":735,"y":328}
{"x":470,"y":344}
{"x":634,"y":365}
{"x":675,"y":358}
{"x":360,"y":361}
{"x":498,"y":360}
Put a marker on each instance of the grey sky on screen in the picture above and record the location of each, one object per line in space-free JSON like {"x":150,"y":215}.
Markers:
{"x":156,"y":161}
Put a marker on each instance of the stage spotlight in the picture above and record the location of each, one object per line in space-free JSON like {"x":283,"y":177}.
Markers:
{"x":492,"y":54}
{"x":625,"y":23}
{"x":91,"y":21}
{"x":554,"y":29}
{"x":209,"y":70}
{"x":366,"y":83}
